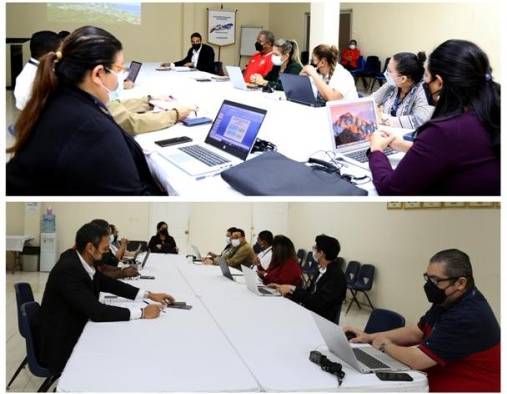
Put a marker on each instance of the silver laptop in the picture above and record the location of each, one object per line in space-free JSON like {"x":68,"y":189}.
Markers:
{"x":198,"y":256}
{"x":228,"y":143}
{"x":237,"y":79}
{"x":365,"y":359}
{"x":145,"y":260}
{"x":133,"y":259}
{"x":254,"y":287}
{"x":226,"y":271}
{"x":351,"y":124}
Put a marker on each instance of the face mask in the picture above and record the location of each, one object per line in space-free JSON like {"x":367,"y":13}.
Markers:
{"x":315,"y":255}
{"x":235,"y":242}
{"x":429,"y":95}
{"x":277,"y":60}
{"x":196,"y":47}
{"x":115,"y":94}
{"x":111,"y":238}
{"x":227,"y":240}
{"x":258,"y":46}
{"x":352,"y":46}
{"x":435,"y":294}
{"x":390,"y":81}
{"x":163,"y":231}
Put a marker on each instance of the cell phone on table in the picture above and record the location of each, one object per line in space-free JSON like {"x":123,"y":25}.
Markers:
{"x":173,"y":141}
{"x":394,"y":376}
{"x":179,"y":305}
{"x":146,"y":277}
{"x":196,"y":121}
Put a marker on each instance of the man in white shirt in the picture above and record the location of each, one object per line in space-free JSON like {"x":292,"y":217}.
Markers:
{"x":41,"y":43}
{"x":265,"y":240}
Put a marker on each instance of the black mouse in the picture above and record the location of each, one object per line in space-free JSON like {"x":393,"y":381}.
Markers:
{"x":350,"y":335}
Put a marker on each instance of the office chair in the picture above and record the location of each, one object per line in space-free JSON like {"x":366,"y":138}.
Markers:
{"x":380,"y":76}
{"x":362,"y":284}
{"x":383,"y":320}
{"x":30,"y":314}
{"x":301,"y":253}
{"x":371,"y":69}
{"x":24,"y":294}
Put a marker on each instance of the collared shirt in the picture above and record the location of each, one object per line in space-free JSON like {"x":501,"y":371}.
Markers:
{"x":258,"y":64}
{"x":322,"y":271}
{"x":195,"y":56}
{"x":135,"y":312}
{"x":341,"y":81}
{"x":265,"y":257}
{"x":24,"y":83}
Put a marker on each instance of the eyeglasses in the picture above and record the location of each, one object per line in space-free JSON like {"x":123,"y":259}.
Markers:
{"x":436,"y":281}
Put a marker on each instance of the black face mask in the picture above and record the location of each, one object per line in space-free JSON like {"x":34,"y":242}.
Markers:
{"x":429,"y":95}
{"x":196,"y":46}
{"x":435,"y":294}
{"x":258,"y":46}
{"x":164,"y":232}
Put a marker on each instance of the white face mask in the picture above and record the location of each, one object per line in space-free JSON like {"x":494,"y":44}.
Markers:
{"x":277,"y":60}
{"x":227,"y":240}
{"x":111,"y":238}
{"x":315,"y":255}
{"x":235,"y":242}
{"x":115,"y":94}
{"x":390,"y":81}
{"x":352,"y":46}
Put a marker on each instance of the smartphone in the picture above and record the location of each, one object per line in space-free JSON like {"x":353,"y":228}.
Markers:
{"x":409,"y":137}
{"x":146,"y":277}
{"x":180,"y":305}
{"x":173,"y":141}
{"x":394,"y":376}
{"x":196,"y":121}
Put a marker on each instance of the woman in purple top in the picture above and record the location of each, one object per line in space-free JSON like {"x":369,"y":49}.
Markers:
{"x":457,"y":152}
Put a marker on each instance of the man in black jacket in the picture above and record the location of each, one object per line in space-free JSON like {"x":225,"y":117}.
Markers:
{"x":71,"y":298}
{"x":326,"y":292}
{"x":199,"y":56}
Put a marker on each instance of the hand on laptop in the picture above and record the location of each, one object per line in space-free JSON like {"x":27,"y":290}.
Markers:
{"x":130,"y":272}
{"x":379,"y":141}
{"x":398,"y":143}
{"x":360,"y":335}
{"x":379,"y":341}
{"x":163,"y":298}
{"x":282,"y":289}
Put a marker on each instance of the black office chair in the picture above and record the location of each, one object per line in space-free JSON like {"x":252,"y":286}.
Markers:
{"x":341,"y":262}
{"x":363,"y":284}
{"x":371,"y":69}
{"x":24,"y":294}
{"x":305,"y":57}
{"x":310,"y":269}
{"x":352,"y":271}
{"x":380,"y":78}
{"x":301,"y":254}
{"x":383,"y":320}
{"x":359,"y":69}
{"x":30,"y":317}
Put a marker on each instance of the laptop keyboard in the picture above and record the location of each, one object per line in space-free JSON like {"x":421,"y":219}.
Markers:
{"x":264,"y":291}
{"x":361,"y":157}
{"x":204,"y":155}
{"x":370,"y":361}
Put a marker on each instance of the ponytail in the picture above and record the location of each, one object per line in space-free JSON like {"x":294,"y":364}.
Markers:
{"x":330,"y":53}
{"x":295,"y":54}
{"x":410,"y":65}
{"x":44,"y":85}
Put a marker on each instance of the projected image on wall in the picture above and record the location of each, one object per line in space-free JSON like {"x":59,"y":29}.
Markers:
{"x":96,"y":13}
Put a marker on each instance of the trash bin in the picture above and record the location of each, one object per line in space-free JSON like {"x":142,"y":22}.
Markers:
{"x":30,"y":258}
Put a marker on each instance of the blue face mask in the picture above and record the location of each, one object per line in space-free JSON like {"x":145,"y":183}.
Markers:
{"x":389,"y":79}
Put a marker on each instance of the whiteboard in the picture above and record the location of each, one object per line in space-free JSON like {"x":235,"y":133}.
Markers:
{"x":248,"y":38}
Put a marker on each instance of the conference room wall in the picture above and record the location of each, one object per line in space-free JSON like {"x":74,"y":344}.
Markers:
{"x":400,"y":243}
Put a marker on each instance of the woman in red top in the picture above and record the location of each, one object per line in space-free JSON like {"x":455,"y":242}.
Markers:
{"x":284,"y":267}
{"x":350,"y":56}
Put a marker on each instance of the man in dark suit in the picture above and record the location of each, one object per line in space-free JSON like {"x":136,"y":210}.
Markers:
{"x":71,"y":298}
{"x":199,"y":56}
{"x":326,"y":292}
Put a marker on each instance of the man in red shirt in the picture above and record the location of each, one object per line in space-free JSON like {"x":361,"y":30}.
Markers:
{"x":261,"y":62}
{"x":350,"y":56}
{"x":457,"y":341}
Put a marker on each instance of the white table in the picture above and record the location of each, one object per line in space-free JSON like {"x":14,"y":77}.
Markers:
{"x":298,"y":131}
{"x":232,"y":339}
{"x":16,"y":244}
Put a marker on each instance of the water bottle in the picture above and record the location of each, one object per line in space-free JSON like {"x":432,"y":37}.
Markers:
{"x":48,"y":222}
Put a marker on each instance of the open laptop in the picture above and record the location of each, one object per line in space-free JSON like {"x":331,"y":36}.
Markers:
{"x":298,"y":89}
{"x":351,"y":124}
{"x":237,"y":79}
{"x":228,"y":143}
{"x":254,"y":287}
{"x":366,"y":359}
{"x":134,"y":69}
{"x":198,"y":256}
{"x":145,"y":260}
{"x":226,"y":271}
{"x":133,"y":259}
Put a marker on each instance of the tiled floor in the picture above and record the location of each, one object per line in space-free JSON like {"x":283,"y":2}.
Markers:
{"x":16,"y":349}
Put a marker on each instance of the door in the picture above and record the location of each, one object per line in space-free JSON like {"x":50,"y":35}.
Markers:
{"x":177,"y":217}
{"x":345,"y":29}
{"x":269,"y":216}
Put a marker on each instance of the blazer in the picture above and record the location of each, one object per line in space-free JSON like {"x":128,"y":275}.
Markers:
{"x":325,"y":295}
{"x":168,"y":245}
{"x":70,"y":299}
{"x":238,"y":256}
{"x":206,"y":59}
{"x":76,"y":148}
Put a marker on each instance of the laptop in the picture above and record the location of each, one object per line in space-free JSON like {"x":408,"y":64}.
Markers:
{"x":237,"y":79}
{"x":198,"y":256}
{"x":254,"y":287}
{"x":351,"y":124}
{"x":365,"y":359}
{"x":226,"y":270}
{"x":298,"y":89}
{"x":145,"y":258}
{"x":228,"y":143}
{"x":134,"y":69}
{"x":133,"y":259}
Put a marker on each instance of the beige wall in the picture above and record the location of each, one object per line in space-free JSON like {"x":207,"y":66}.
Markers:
{"x":401,"y":242}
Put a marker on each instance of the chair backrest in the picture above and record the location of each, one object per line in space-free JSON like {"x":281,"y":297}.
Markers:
{"x":385,"y":64}
{"x":383,"y":320}
{"x":352,"y":271}
{"x":365,"y":276}
{"x":341,"y":262}
{"x":360,"y":62}
{"x":372,"y":64}
{"x":133,"y":245}
{"x":30,"y":320}
{"x":301,"y":254}
{"x":24,"y":294}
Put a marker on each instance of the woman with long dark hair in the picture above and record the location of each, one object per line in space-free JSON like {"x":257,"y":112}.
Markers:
{"x":162,"y":242}
{"x":67,"y":143}
{"x":284,"y":267}
{"x":457,"y":152}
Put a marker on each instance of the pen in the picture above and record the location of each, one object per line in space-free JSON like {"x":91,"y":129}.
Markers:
{"x":147,"y":303}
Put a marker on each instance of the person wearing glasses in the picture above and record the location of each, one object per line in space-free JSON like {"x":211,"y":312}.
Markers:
{"x":457,"y":341}
{"x":67,"y":142}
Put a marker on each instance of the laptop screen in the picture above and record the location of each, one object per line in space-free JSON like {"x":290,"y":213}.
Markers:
{"x":134,"y":70}
{"x":352,"y":122}
{"x":235,"y":128}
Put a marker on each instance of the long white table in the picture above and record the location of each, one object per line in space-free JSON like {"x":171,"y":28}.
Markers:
{"x":298,"y":131}
{"x":232,"y":340}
